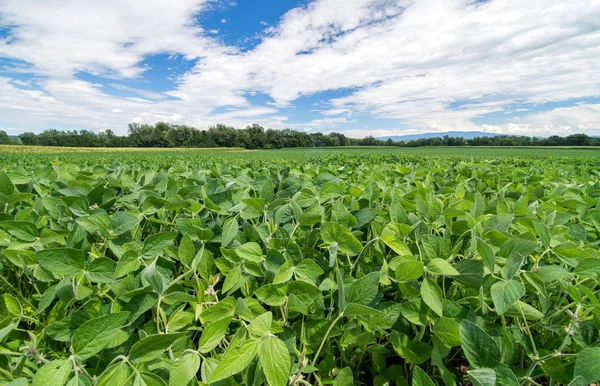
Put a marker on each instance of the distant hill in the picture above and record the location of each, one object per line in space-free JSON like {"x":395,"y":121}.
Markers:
{"x":464,"y":134}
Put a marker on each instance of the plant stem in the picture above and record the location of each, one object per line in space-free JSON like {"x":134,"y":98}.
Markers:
{"x":326,"y":336}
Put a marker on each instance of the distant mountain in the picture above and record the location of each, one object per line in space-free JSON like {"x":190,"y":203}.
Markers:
{"x":464,"y":134}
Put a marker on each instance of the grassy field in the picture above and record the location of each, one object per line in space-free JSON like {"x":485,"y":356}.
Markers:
{"x":45,"y":152}
{"x":343,"y":266}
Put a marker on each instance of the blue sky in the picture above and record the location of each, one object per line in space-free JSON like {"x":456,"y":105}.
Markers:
{"x":362,"y":67}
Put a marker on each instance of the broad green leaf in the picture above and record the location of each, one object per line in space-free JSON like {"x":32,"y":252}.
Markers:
{"x":479,"y":348}
{"x":235,"y":360}
{"x":505,"y":376}
{"x":447,"y":331}
{"x":354,"y":309}
{"x":128,"y":263}
{"x":334,"y":233}
{"x":6,"y":186}
{"x":116,"y":375}
{"x":156,"y":243}
{"x":570,"y":250}
{"x":308,"y":270}
{"x":56,"y":373}
{"x":101,"y":270}
{"x":344,"y":377}
{"x":62,"y":261}
{"x":95,"y":334}
{"x":261,"y":325}
{"x":482,"y":377}
{"x":420,"y":377}
{"x":184,"y":369}
{"x":155,"y":278}
{"x":487,"y":254}
{"x":96,"y":224}
{"x":441,"y":267}
{"x":505,"y":294}
{"x":152,"y":347}
{"x":587,"y":364}
{"x":364,"y":290}
{"x":230,"y":231}
{"x":213,"y":334}
{"x":275,"y":361}
{"x":121,"y":222}
{"x":408,"y":270}
{"x":186,"y":251}
{"x":272,"y":294}
{"x":432,"y":296}
{"x":250,"y":251}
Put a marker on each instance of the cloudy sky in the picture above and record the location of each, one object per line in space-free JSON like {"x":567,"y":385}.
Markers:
{"x":362,"y":67}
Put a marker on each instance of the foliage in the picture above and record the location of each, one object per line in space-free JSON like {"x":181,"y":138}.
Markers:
{"x":254,"y":136}
{"x":166,"y":268}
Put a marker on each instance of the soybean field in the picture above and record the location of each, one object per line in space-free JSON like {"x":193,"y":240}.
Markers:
{"x":429,"y":266}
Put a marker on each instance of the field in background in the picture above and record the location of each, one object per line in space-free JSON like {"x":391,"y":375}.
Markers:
{"x":313,"y":152}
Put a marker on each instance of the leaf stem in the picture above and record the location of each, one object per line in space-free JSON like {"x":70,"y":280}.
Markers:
{"x":326,"y":336}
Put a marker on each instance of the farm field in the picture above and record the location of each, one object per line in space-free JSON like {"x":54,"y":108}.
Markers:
{"x":398,"y":266}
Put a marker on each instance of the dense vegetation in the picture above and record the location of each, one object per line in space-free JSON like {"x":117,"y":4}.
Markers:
{"x":166,"y":135}
{"x":156,"y":268}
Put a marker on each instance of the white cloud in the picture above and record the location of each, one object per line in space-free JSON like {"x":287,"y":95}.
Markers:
{"x":223,"y":21}
{"x":429,"y":65}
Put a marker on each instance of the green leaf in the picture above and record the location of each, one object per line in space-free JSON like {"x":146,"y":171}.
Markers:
{"x":230,"y":231}
{"x":272,"y":294}
{"x":6,"y":186}
{"x":285,"y":273}
{"x":128,"y":263}
{"x":101,"y":270}
{"x":441,"y":267}
{"x":186,"y":251}
{"x":22,"y":230}
{"x":308,"y":270}
{"x":505,"y":294}
{"x":354,"y":309}
{"x":152,"y":347}
{"x":364,"y":290}
{"x":408,"y":270}
{"x":184,"y":369}
{"x":448,"y":331}
{"x":96,"y":224}
{"x":250,"y":251}
{"x":344,"y":377}
{"x":62,"y":261}
{"x":116,"y":375}
{"x":157,"y":280}
{"x":213,"y":334}
{"x":505,"y":376}
{"x":432,"y":296}
{"x":53,"y":373}
{"x":235,"y":360}
{"x":92,"y":336}
{"x":570,"y":250}
{"x":121,"y":222}
{"x":587,"y":364}
{"x":18,"y":382}
{"x":420,"y":378}
{"x":275,"y":361}
{"x":388,"y":236}
{"x":334,"y":233}
{"x":479,"y":348}
{"x":483,"y":377}
{"x":156,"y":243}
{"x":487,"y":254}
{"x":261,"y":325}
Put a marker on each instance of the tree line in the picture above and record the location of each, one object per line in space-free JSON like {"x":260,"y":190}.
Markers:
{"x":254,"y":136}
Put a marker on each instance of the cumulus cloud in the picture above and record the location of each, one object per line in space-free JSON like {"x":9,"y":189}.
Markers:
{"x":422,"y":65}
